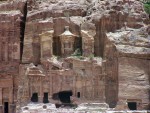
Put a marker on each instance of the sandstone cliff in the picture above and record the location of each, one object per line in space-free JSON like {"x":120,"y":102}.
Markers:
{"x":116,"y":31}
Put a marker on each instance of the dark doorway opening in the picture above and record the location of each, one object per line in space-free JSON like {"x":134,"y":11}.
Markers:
{"x":45,"y":98}
{"x":78,"y":44}
{"x":132,"y":105}
{"x":6,"y":107}
{"x":64,"y":96}
{"x":78,"y":94}
{"x":34,"y":97}
{"x":56,"y":46}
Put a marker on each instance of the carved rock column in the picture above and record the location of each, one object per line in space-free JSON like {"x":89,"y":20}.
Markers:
{"x":46,"y":43}
{"x":41,"y":89}
{"x":87,"y":44}
{"x":6,"y":51}
{"x":1,"y":108}
{"x":11,"y":95}
{"x":1,"y":96}
{"x":11,"y":99}
{"x":1,"y":101}
{"x":0,"y":51}
{"x":12,"y":108}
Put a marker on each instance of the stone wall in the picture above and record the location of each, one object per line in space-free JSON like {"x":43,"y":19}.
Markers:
{"x":10,"y":53}
{"x":134,"y":81}
{"x":87,"y":80}
{"x":29,"y":33}
{"x":10,"y":33}
{"x":111,"y":71}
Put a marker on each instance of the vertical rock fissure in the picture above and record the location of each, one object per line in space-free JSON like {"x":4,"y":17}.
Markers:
{"x":23,"y":24}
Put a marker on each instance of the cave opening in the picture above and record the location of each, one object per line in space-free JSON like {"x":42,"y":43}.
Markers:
{"x":64,"y":96}
{"x":78,"y":45}
{"x":132,"y":105}
{"x":45,"y":98}
{"x":34,"y":97}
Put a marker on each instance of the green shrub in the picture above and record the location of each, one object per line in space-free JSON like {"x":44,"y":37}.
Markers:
{"x":77,"y":52}
{"x":146,"y":5}
{"x":147,"y":8}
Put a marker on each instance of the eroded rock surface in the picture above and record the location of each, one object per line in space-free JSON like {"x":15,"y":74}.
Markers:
{"x":97,"y":49}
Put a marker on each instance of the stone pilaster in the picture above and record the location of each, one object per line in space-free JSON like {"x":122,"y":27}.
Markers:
{"x":11,"y":52}
{"x":12,"y":108}
{"x":0,"y":51}
{"x":11,"y":95}
{"x":6,"y":51}
{"x":1,"y":96}
{"x":41,"y":91}
{"x":46,"y":43}
{"x":1,"y":108}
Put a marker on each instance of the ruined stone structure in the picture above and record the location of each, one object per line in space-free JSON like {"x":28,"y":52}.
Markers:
{"x":94,"y":51}
{"x":10,"y":33}
{"x":82,"y":75}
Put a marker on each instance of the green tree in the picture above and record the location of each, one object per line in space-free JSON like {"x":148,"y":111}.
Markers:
{"x":146,"y":4}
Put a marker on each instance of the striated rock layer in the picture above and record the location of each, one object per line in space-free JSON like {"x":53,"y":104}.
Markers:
{"x":98,"y":50}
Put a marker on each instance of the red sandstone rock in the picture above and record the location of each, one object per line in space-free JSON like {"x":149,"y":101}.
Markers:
{"x":116,"y":32}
